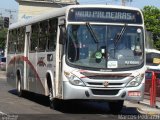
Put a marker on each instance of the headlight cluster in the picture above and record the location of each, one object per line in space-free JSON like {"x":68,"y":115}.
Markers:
{"x":74,"y":80}
{"x":136,"y":81}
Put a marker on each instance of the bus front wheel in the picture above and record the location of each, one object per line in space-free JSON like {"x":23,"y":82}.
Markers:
{"x":116,"y":106}
{"x":54,"y":103}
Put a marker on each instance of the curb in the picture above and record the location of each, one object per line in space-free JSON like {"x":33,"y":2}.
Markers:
{"x":146,"y":109}
{"x":147,"y":112}
{"x":141,"y":111}
{"x":156,"y":107}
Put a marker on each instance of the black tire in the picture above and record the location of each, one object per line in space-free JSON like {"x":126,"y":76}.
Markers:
{"x":116,"y":106}
{"x":19,"y":88}
{"x":54,"y":103}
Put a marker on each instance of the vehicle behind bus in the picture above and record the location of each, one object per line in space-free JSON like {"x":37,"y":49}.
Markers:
{"x":153,"y":59}
{"x":152,"y":75}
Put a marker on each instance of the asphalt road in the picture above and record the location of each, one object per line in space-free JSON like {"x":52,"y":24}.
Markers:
{"x":36,"y":107}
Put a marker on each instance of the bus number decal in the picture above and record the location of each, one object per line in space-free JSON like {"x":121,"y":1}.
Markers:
{"x":132,"y":62}
{"x":40,"y":62}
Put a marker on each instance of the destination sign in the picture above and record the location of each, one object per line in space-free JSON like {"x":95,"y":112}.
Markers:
{"x":104,"y":15}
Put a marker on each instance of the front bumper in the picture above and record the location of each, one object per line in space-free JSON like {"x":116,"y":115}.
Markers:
{"x":86,"y":93}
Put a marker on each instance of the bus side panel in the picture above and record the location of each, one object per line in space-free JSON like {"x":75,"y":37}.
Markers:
{"x":45,"y":62}
{"x":31,"y":72}
{"x":19,"y":66}
{"x":10,"y":71}
{"x":37,"y":66}
{"x":41,"y":71}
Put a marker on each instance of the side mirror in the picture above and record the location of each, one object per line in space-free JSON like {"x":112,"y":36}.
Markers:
{"x":62,"y":37}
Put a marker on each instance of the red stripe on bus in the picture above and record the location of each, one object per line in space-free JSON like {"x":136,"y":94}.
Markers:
{"x":25,"y":59}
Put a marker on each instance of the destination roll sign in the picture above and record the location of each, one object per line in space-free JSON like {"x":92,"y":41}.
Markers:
{"x":104,"y":15}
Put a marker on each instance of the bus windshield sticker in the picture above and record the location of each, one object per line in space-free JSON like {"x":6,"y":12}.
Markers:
{"x":112,"y":64}
{"x":98,"y":55}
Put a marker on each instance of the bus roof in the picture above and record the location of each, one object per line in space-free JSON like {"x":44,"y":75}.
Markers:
{"x":61,"y":11}
{"x":104,"y":6}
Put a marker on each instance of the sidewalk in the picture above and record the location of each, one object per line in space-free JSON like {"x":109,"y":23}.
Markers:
{"x":144,"y":107}
{"x":147,"y":102}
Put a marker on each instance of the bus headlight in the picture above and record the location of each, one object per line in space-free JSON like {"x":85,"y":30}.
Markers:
{"x":74,"y":80}
{"x":135,"y":82}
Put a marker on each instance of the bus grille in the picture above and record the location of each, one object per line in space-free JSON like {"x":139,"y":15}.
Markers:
{"x":106,"y":76}
{"x":105,"y":92}
{"x":93,"y":83}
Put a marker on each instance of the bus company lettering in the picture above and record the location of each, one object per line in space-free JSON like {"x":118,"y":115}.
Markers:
{"x":104,"y":15}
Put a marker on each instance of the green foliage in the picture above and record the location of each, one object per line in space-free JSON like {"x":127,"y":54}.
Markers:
{"x":152,"y":23}
{"x":3,"y":37}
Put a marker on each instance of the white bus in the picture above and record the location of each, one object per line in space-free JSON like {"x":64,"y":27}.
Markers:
{"x":153,"y":59}
{"x":84,"y":52}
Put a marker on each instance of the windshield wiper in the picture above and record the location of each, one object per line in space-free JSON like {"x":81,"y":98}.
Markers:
{"x":118,"y":36}
{"x":93,"y":34}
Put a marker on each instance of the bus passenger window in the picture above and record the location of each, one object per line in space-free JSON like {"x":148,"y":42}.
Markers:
{"x":12,"y":41}
{"x":20,"y":40}
{"x":43,"y":36}
{"x":34,"y":37}
{"x":9,"y":41}
{"x":52,"y":35}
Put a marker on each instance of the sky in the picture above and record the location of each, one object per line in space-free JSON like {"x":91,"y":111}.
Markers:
{"x":135,"y":3}
{"x":9,"y":5}
{"x":13,"y":5}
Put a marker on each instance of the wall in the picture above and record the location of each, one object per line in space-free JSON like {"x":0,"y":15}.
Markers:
{"x":30,"y":8}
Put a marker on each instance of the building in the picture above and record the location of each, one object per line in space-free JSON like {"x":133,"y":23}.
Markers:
{"x":31,"y":8}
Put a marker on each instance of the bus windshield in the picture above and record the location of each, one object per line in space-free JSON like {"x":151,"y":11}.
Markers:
{"x":104,"y":46}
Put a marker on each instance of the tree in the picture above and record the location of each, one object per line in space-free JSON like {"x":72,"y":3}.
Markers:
{"x":152,"y":23}
{"x":3,"y":37}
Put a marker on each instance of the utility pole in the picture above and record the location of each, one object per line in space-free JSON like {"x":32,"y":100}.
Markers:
{"x":123,"y":2}
{"x":10,"y":13}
